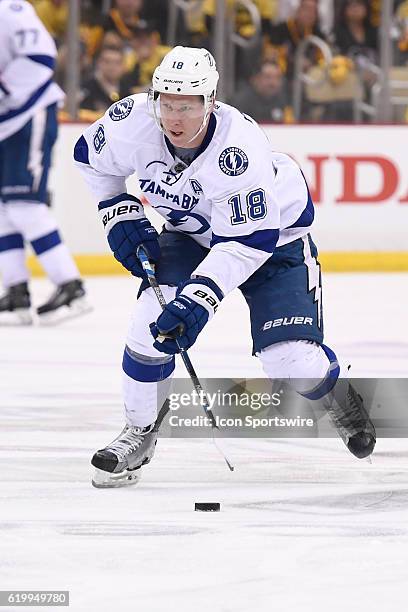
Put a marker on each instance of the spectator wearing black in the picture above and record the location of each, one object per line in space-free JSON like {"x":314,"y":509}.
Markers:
{"x":126,"y":15}
{"x":265,"y":98}
{"x":155,"y":12}
{"x":99,"y":92}
{"x":288,"y":35}
{"x":121,"y":19}
{"x":354,"y":35}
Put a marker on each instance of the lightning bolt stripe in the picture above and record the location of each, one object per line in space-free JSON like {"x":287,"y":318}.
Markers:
{"x":314,"y":278}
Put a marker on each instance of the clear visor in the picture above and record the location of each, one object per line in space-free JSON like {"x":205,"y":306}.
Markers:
{"x":172,"y":107}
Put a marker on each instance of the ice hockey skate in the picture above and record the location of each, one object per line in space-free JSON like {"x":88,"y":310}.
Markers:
{"x":119,"y":463}
{"x":346,"y":410}
{"x":68,"y":301}
{"x":15,"y":306}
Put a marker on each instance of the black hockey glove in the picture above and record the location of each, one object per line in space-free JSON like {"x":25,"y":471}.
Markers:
{"x":127,"y":229}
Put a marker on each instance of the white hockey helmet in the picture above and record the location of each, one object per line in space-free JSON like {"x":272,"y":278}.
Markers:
{"x":185,"y":71}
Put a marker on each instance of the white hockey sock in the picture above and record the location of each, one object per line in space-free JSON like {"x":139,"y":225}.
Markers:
{"x":146,"y":372}
{"x":38,"y":226}
{"x":143,"y":400}
{"x":302,"y":363}
{"x":59,"y":264}
{"x":13,"y":268}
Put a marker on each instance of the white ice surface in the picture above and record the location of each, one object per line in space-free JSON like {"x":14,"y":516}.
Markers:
{"x":303,"y":527}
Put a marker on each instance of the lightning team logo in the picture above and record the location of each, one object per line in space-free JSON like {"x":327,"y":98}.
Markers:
{"x":121,"y":109}
{"x":233,"y":161}
{"x":197,"y":224}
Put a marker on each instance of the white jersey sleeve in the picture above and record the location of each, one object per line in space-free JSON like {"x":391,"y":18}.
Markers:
{"x":103,"y":160}
{"x":27,"y":56}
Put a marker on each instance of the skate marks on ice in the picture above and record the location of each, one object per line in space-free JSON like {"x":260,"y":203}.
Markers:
{"x":299,"y":518}
{"x":276,"y":476}
{"x":282,"y":515}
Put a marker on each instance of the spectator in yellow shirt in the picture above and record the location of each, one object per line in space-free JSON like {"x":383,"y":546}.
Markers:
{"x":54,"y":15}
{"x":267,"y":8}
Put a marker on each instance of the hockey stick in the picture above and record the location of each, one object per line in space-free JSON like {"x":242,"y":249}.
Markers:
{"x":186,"y":359}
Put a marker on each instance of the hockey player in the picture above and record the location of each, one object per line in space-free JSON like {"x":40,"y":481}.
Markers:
{"x":237,"y":214}
{"x":28,"y":130}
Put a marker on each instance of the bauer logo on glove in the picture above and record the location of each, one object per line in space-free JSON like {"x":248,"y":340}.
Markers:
{"x":127,"y":229}
{"x":119,"y":210}
{"x":208,"y":298}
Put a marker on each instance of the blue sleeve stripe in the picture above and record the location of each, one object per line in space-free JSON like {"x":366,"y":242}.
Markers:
{"x":307,"y":216}
{"x":4,"y":89}
{"x":263,"y":240}
{"x":44,"y":60}
{"x":30,"y":102}
{"x":11,"y":241}
{"x":122,"y":197}
{"x":81,"y":151}
{"x":45,"y":243}
{"x":146,"y":372}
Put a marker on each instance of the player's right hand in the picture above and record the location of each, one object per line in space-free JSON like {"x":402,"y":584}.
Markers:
{"x":182,"y":319}
{"x":127,"y":229}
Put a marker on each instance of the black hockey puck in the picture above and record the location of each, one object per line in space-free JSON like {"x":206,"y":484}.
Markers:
{"x":207,"y":506}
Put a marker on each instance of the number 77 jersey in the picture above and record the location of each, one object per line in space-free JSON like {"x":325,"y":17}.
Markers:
{"x":27,"y":61}
{"x":237,"y":197}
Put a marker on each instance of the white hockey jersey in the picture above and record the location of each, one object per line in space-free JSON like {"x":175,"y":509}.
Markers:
{"x":238,"y":196}
{"x":27,"y":57}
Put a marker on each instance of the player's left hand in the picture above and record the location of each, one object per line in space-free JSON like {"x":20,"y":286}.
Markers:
{"x":184,"y":317}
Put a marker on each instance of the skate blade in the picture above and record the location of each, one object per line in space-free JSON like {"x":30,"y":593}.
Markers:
{"x":107,"y":480}
{"x":64,"y":313}
{"x":21,"y":316}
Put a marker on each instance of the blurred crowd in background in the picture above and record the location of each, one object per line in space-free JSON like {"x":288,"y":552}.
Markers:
{"x":121,"y":43}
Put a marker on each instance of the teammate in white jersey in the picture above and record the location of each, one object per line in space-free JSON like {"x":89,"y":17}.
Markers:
{"x":28,"y":130}
{"x":237,"y":214}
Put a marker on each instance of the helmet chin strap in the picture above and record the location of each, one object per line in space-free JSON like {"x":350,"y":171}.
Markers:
{"x":203,"y":125}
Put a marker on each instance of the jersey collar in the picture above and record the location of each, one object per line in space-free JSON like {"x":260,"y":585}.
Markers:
{"x":212,"y":124}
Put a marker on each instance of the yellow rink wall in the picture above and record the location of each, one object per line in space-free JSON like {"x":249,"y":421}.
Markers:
{"x":357,"y":176}
{"x":331,"y":262}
